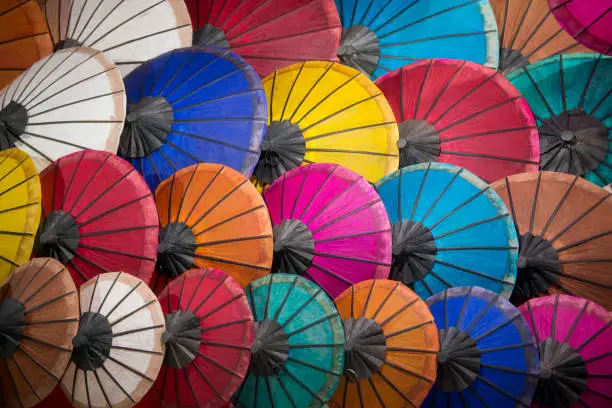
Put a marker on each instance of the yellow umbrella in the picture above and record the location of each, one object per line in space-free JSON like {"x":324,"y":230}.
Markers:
{"x":329,"y":113}
{"x":19,"y":209}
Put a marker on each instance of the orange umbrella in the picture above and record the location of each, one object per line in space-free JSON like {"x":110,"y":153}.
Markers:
{"x":391,"y":346}
{"x":211,"y":216}
{"x":24,"y":38}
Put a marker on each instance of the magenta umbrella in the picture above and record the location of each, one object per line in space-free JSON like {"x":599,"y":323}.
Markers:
{"x":329,"y":226}
{"x":574,"y":337}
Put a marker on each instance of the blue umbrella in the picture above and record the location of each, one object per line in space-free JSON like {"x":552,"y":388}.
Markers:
{"x":449,"y":229}
{"x":380,"y":36}
{"x":569,"y":95}
{"x":189,"y":106}
{"x":298,"y":351}
{"x":488,"y":355}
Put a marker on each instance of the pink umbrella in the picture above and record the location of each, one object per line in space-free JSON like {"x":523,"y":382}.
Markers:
{"x":329,"y":226}
{"x":574,"y":336}
{"x":588,"y":21}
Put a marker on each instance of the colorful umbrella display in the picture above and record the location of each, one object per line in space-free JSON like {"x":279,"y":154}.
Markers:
{"x":488,"y":356}
{"x":189,"y":106}
{"x":588,"y":21}
{"x":71,"y":100}
{"x":209,"y":332}
{"x":129,"y":31}
{"x":462,"y":113}
{"x":330,"y":226}
{"x":211,"y":216}
{"x":268,"y":34}
{"x":528,"y":32}
{"x":564,"y":225}
{"x":24,"y":38}
{"x":574,"y":338}
{"x":328,"y":113}
{"x":99,"y":216}
{"x":380,"y":36}
{"x":391,"y":346}
{"x":118,"y":350}
{"x":568,"y":95}
{"x":19,"y":209}
{"x":297,"y":353}
{"x":39,"y":315}
{"x":449,"y":229}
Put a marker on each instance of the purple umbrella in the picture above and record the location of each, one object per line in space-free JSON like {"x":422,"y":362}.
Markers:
{"x":329,"y":226}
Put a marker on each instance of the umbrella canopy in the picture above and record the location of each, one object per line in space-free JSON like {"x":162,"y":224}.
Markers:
{"x":19,"y":209}
{"x":297,"y":353}
{"x":39,"y":315}
{"x":328,"y":113}
{"x":268,"y":34}
{"x":449,"y":229}
{"x":99,"y":216}
{"x":568,"y":95}
{"x":528,"y":32}
{"x":391,"y":346}
{"x":330,"y":226}
{"x":574,"y":338}
{"x":588,"y":21}
{"x":380,"y":36}
{"x":129,"y":32}
{"x":24,"y":38}
{"x":462,"y":113}
{"x":211,"y":216}
{"x":69,"y":101}
{"x":488,"y":356}
{"x":118,"y":350}
{"x":189,"y":106}
{"x":209,"y":332}
{"x":564,"y":225}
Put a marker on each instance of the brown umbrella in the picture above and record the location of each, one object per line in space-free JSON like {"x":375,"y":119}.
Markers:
{"x":38,"y":318}
{"x":565,"y":234}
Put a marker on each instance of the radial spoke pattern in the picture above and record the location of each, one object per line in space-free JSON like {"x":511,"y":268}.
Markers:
{"x":564,"y":224}
{"x":449,"y":229}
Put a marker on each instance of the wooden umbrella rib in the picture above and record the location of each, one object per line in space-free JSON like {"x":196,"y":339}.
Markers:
{"x":210,"y":293}
{"x":368,"y":298}
{"x":313,"y":324}
{"x":216,"y":309}
{"x":39,"y":288}
{"x":229,"y":262}
{"x":398,"y":312}
{"x":44,"y":343}
{"x":39,"y":364}
{"x":330,"y":273}
{"x":102,"y":388}
{"x":204,"y":275}
{"x":12,"y":380}
{"x":389,"y":20}
{"x":218,"y":202}
{"x":123,"y":298}
{"x":115,"y":252}
{"x":221,"y":366}
{"x":345,"y":108}
{"x":408,"y":329}
{"x":101,"y":195}
{"x":267,"y":303}
{"x":439,"y":197}
{"x":304,"y":386}
{"x":21,"y":81}
{"x":133,"y":370}
{"x":141,"y":329}
{"x":211,"y":82}
{"x":133,"y":312}
{"x":384,"y":301}
{"x":343,"y":216}
{"x":395,"y":388}
{"x":224,"y":345}
{"x":17,"y":294}
{"x":27,"y":380}
{"x":204,"y":191}
{"x":75,"y":103}
{"x":127,"y":394}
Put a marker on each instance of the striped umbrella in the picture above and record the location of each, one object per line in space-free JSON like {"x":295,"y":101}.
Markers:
{"x":128,"y":31}
{"x":69,"y":101}
{"x":24,"y":38}
{"x":328,"y":113}
{"x":19,"y":209}
{"x":189,"y":106}
{"x":268,"y":34}
{"x":461,"y":113}
{"x":380,"y":36}
{"x":568,"y":95}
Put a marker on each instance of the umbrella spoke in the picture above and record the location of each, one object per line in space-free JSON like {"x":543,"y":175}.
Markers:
{"x":127,"y":332}
{"x":133,"y":312}
{"x":113,"y":379}
{"x":470,"y":271}
{"x":23,"y":349}
{"x":396,"y":389}
{"x":13,"y":384}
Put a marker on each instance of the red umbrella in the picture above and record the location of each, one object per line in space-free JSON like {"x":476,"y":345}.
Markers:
{"x":100,"y":216}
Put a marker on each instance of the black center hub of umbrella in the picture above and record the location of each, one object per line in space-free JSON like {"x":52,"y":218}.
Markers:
{"x":176,"y":250}
{"x":60,"y":237}
{"x":359,"y":49}
{"x":270,"y":349}
{"x":147,"y":124}
{"x":364,"y":349}
{"x":563,"y":375}
{"x":67,"y":43}
{"x":293,"y":247}
{"x":458,"y":360}
{"x":418,"y":142}
{"x":414,"y":252}
{"x":210,"y":36}
{"x":182,"y":337}
{"x":13,"y":121}
{"x":12,"y":324}
{"x":283,"y":148}
{"x":511,"y":60}
{"x":93,"y":341}
{"x":573,"y":142}
{"x":538,"y":267}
